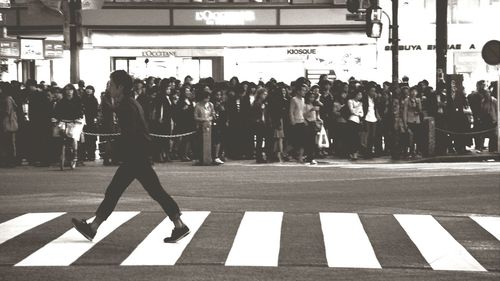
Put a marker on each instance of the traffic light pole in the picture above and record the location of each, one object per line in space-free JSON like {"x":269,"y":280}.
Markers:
{"x":395,"y":42}
{"x":75,"y":26}
{"x":441,"y":38}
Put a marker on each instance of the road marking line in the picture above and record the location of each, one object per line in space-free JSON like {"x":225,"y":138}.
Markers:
{"x":153,"y":251}
{"x":66,"y":249}
{"x":437,"y":246}
{"x":346,"y":242}
{"x":257,"y":242}
{"x":21,"y":224}
{"x":491,"y":224}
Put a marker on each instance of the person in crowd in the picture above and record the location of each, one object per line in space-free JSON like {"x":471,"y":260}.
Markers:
{"x":457,"y":121}
{"x":260,"y":116}
{"x":341,"y":114}
{"x":91,"y":106}
{"x":70,"y":108}
{"x":162,"y":121}
{"x":139,"y":89}
{"x":8,"y":126}
{"x":219,"y":126}
{"x":313,"y":125}
{"x":326,"y":111}
{"x":109,"y":125}
{"x":134,"y":144}
{"x":184,"y":121}
{"x":80,"y":92}
{"x":413,"y":119}
{"x":383,"y":136}
{"x":297,"y":121}
{"x":371,"y":117}
{"x":490,"y":119}
{"x":248,"y":96}
{"x":278,"y":105}
{"x":355,"y":106}
{"x":238,"y":113}
{"x":39,"y":116}
{"x":475,"y":100}
{"x":203,"y":116}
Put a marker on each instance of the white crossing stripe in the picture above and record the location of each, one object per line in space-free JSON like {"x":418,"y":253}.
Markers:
{"x":491,"y":224}
{"x":257,"y":242}
{"x":346,"y":242}
{"x":153,"y":251}
{"x":71,"y":245}
{"x":21,"y":224}
{"x":436,"y":245}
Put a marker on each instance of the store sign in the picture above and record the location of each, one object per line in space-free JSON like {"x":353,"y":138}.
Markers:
{"x":429,"y":47}
{"x":159,"y":53}
{"x":32,"y":49}
{"x":54,"y":49}
{"x":9,"y":48}
{"x":225,"y":17}
{"x":298,"y":51}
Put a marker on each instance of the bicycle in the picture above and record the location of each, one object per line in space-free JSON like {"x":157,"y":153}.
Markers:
{"x":64,"y":129}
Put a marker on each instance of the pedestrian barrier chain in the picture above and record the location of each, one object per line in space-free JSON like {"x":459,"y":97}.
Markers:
{"x":153,"y":135}
{"x":468,"y":133}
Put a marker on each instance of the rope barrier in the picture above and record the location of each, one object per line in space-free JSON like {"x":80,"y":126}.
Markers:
{"x":153,"y":135}
{"x":469,"y":133}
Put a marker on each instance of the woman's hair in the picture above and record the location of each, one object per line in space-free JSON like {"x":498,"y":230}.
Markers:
{"x":309,"y":95}
{"x":164,"y":83}
{"x":259,"y":93}
{"x":69,"y":86}
{"x":122,"y":78}
{"x":183,"y":91}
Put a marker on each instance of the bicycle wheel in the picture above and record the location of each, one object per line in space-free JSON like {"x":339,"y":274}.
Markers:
{"x":63,"y":156}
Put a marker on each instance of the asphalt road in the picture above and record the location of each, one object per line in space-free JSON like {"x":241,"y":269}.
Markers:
{"x":449,"y":195}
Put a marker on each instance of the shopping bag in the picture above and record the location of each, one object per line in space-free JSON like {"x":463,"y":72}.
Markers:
{"x":322,"y":138}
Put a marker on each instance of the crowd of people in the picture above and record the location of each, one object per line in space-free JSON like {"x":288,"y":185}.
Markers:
{"x":268,"y":122}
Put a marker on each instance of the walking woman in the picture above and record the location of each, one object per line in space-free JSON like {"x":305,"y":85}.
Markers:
{"x":135,"y":143}
{"x":354,"y":123}
{"x":8,"y":126}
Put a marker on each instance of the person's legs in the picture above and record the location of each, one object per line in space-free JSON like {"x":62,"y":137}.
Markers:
{"x":149,"y":180}
{"x":121,"y":180}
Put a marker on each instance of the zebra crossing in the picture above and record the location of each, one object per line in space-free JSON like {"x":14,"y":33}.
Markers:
{"x":260,"y":239}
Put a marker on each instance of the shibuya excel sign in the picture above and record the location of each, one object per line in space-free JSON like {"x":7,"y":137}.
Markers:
{"x":225,"y":17}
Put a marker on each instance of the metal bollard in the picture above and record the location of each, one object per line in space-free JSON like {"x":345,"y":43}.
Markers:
{"x":429,"y":136}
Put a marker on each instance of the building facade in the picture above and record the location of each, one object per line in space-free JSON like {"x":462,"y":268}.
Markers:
{"x":254,"y":40}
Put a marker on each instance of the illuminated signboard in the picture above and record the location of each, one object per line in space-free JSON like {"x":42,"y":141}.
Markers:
{"x":54,"y":49}
{"x":225,"y":17}
{"x":32,"y":49}
{"x":250,"y":17}
{"x":9,"y":48}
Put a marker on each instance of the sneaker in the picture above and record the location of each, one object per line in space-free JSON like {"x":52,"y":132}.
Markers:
{"x":177,"y":234}
{"x":218,"y":161}
{"x":313,"y":162}
{"x":84,"y":228}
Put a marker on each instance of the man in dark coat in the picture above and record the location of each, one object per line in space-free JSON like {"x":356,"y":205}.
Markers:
{"x":134,"y":147}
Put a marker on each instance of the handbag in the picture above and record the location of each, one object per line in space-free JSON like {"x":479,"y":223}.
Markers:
{"x":9,"y":123}
{"x":322,"y":138}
